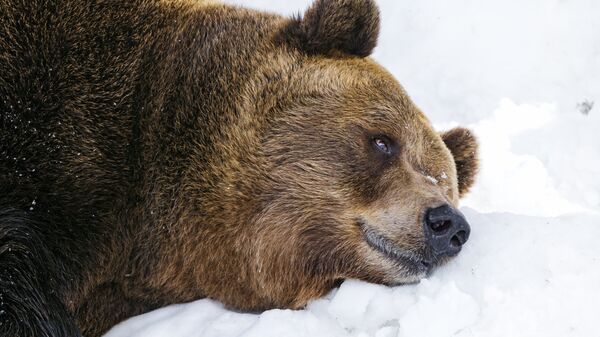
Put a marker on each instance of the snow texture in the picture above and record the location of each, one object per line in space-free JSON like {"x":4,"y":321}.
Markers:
{"x":524,"y":75}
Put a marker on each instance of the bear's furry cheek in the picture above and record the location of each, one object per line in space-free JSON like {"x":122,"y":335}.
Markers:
{"x":462,"y":143}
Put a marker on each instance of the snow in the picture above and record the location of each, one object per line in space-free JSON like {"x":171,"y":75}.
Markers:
{"x":521,"y":145}
{"x":523,"y":75}
{"x":431,"y":179}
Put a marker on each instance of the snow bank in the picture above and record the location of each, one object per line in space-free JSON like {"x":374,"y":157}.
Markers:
{"x":532,"y":264}
{"x":536,"y":161}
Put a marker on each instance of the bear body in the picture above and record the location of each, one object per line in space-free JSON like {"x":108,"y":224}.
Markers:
{"x":154,"y":152}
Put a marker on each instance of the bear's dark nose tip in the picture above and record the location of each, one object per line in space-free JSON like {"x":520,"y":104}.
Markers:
{"x":446,"y":230}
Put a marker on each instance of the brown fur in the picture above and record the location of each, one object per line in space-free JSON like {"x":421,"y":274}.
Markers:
{"x":179,"y":150}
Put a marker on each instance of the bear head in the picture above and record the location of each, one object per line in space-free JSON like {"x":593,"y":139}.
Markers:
{"x":332,"y":172}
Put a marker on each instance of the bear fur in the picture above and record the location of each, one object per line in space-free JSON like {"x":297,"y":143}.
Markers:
{"x":162,"y":151}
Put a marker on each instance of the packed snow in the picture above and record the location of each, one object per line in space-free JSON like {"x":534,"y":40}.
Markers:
{"x":524,"y":75}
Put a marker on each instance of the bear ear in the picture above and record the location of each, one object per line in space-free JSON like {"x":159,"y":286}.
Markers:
{"x":333,"y":26}
{"x":463,"y":145}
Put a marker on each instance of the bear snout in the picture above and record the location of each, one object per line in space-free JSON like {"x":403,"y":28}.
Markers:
{"x":446,"y":230}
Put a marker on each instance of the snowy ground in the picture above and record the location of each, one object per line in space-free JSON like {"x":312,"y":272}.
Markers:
{"x":516,"y":72}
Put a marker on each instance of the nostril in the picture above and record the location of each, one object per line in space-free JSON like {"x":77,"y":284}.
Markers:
{"x":458,"y":239}
{"x":441,"y":226}
{"x":455,"y":242}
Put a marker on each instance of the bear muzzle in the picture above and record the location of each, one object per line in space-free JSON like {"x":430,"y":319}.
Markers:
{"x":444,"y":231}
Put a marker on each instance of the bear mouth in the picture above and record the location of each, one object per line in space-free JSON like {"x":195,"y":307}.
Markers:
{"x":416,"y":264}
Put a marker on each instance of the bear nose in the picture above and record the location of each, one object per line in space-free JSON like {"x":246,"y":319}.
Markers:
{"x":446,"y":230}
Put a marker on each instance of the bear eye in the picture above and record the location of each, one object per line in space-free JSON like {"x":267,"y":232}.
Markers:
{"x":382,"y":144}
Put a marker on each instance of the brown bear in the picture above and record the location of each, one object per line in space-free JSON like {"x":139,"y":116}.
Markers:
{"x":155,"y":151}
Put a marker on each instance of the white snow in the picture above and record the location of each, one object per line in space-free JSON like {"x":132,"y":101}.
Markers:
{"x":431,"y":179}
{"x":520,"y":74}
